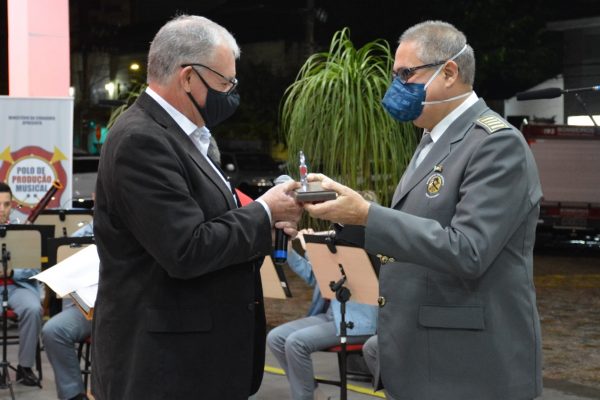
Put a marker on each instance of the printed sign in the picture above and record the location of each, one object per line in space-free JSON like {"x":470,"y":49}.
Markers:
{"x":36,"y":144}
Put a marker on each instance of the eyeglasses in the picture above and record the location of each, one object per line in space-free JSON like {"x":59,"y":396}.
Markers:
{"x":232,"y":81}
{"x":404,"y":74}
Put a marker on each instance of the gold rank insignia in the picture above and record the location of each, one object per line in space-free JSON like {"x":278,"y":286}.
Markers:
{"x":491,"y":123}
{"x":385,"y":259}
{"x":434,"y":184}
{"x":438,"y":168}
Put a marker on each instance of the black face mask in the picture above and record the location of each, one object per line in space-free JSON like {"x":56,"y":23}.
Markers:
{"x":219,"y":106}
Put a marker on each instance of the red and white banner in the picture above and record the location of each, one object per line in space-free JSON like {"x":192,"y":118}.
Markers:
{"x":36,"y":146}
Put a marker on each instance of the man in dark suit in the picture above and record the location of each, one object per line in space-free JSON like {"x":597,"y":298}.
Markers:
{"x":457,"y":317}
{"x":179,"y":313}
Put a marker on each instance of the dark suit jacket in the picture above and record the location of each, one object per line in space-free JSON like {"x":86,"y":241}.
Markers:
{"x":179,"y":312}
{"x":459,"y":319}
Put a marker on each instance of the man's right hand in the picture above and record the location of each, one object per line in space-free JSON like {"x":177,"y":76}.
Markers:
{"x":281,"y":202}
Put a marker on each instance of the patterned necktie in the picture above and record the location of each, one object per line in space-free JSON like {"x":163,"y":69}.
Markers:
{"x":425,"y":140}
{"x":201,"y":139}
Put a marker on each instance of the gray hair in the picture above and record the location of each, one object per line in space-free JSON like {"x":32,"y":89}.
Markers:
{"x":439,"y":41}
{"x":186,"y":39}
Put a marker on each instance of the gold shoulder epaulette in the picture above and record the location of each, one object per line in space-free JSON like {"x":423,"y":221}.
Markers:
{"x":491,"y":123}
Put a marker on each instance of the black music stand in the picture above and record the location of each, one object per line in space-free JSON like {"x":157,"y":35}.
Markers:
{"x":4,"y":364}
{"x":20,"y":234}
{"x":15,"y":241}
{"x":54,"y":244}
{"x":66,"y":222}
{"x":343,"y":269}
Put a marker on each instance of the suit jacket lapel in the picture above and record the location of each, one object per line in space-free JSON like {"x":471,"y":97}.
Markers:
{"x":165,"y":120}
{"x":442,"y":148}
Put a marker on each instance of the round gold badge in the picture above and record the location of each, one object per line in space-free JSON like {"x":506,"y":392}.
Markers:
{"x":434,"y":184}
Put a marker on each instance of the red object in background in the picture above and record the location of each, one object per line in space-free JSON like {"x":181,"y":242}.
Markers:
{"x":98,"y":133}
{"x":568,"y":164}
{"x":244,"y":198}
{"x":41,"y":205}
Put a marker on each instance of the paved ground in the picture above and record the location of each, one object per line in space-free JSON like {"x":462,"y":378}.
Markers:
{"x":567,"y":280}
{"x":275,"y":386}
{"x":568,"y":288}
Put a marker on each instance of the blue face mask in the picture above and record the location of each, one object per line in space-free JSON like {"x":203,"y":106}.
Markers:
{"x":405,"y":101}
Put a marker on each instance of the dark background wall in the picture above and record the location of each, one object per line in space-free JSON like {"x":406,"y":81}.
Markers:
{"x":514,"y":47}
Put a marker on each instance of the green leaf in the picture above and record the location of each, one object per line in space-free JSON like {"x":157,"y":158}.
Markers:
{"x":333,"y":113}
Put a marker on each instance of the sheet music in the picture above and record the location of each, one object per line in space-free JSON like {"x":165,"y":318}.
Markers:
{"x":87,"y":295}
{"x":78,"y":272}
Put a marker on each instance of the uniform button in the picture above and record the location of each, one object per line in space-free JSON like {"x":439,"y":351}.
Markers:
{"x":381,"y":301}
{"x":251,"y":306}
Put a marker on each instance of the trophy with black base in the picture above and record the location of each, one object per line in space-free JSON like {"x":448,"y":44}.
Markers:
{"x":311,"y":192}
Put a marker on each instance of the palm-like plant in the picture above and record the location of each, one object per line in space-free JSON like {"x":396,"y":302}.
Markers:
{"x":333,"y":113}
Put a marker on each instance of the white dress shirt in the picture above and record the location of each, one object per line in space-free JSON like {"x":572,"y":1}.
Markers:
{"x":200,"y":136}
{"x":438,"y":130}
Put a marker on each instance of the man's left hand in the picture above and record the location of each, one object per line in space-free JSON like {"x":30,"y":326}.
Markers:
{"x":348,"y":208}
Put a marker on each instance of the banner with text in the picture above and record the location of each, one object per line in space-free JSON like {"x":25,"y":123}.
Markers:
{"x":36,"y":147}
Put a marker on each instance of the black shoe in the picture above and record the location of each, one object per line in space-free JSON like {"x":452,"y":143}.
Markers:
{"x":26,"y":376}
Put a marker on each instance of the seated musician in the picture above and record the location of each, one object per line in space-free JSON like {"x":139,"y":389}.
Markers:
{"x":293,"y":342}
{"x":60,"y":336}
{"x":24,"y":299}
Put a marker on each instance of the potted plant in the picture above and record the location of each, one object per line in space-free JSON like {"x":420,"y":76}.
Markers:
{"x":333,"y":113}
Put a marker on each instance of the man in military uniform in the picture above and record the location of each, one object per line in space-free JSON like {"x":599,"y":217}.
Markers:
{"x":458,"y":317}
